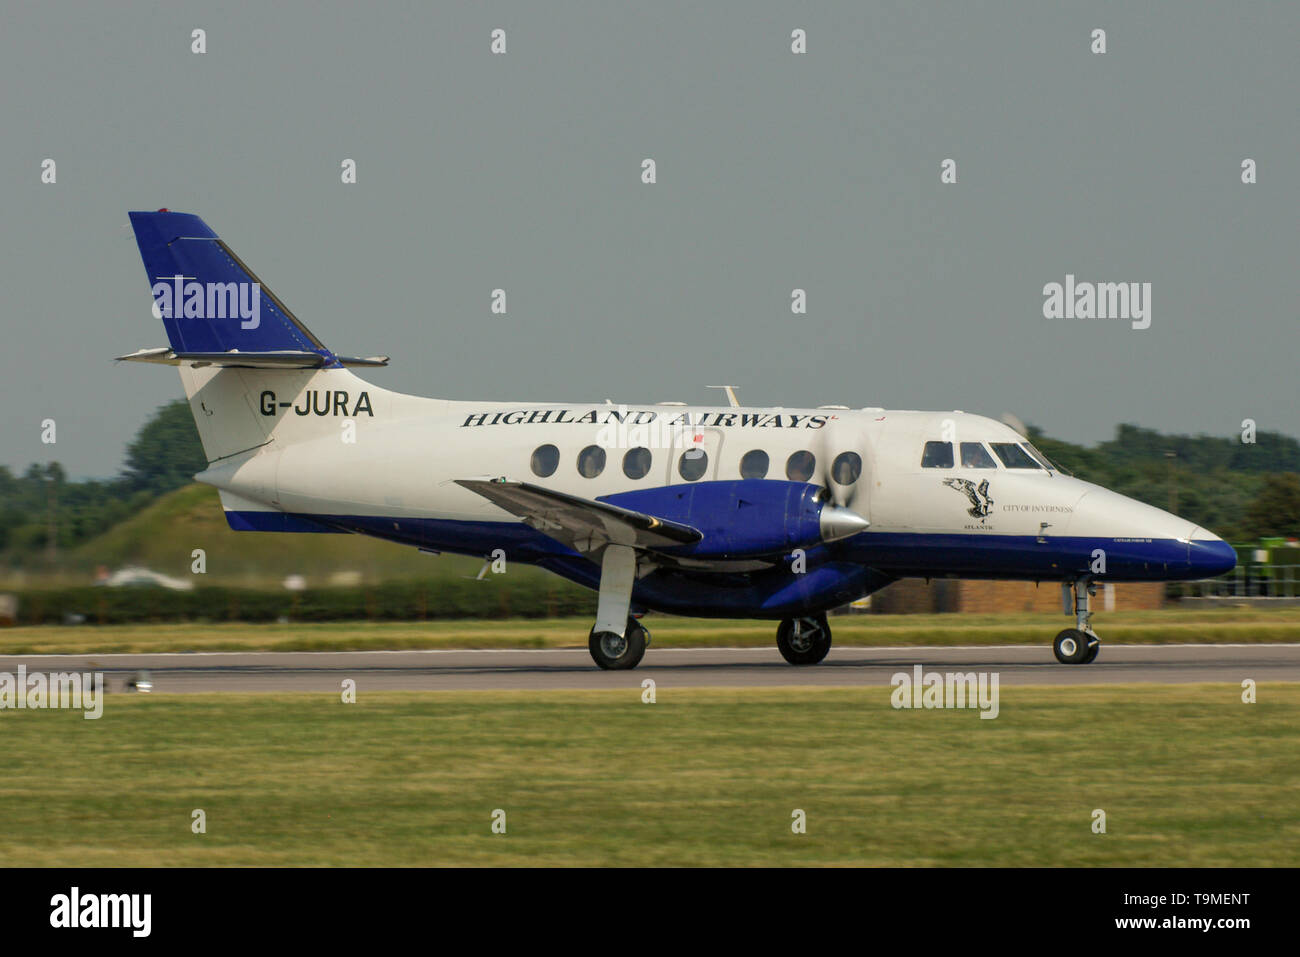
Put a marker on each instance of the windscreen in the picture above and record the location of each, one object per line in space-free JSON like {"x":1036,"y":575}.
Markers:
{"x":1013,"y":456}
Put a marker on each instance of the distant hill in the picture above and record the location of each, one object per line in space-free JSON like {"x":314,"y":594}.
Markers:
{"x":163,"y":535}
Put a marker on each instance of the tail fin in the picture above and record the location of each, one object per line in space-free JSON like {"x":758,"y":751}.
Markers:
{"x":209,"y":301}
{"x":245,"y":360}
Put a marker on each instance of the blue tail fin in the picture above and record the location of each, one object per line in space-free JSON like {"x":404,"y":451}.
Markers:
{"x":208,"y":299}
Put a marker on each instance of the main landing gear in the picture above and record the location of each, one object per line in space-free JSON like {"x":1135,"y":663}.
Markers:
{"x":1077,"y":645}
{"x":615,"y":652}
{"x":804,"y":641}
{"x":617,"y":641}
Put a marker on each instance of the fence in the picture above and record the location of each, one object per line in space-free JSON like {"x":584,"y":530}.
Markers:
{"x":1245,"y":581}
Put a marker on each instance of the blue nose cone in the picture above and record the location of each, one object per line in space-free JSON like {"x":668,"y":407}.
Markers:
{"x":1209,"y":559}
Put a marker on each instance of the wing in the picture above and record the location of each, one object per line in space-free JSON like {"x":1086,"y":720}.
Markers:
{"x":584,"y":525}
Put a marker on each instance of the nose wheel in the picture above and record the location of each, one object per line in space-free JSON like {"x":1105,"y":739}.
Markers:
{"x":1075,"y":647}
{"x":1078,"y":645}
{"x":803,"y":641}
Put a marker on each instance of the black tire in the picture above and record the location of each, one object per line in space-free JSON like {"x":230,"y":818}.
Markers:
{"x":809,"y":646}
{"x":1075,"y":647}
{"x":613,"y":653}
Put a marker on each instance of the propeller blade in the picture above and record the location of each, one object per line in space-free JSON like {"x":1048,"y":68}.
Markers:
{"x":838,"y":446}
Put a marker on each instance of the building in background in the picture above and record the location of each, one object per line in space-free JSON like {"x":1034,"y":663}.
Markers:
{"x":917,"y":596}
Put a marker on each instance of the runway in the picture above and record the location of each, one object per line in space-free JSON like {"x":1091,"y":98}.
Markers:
{"x":711,"y":667}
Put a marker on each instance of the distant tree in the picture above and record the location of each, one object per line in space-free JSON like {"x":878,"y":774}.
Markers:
{"x":1276,"y":509}
{"x":166,"y":451}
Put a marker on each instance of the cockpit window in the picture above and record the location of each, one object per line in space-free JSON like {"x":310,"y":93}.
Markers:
{"x":1041,"y":458}
{"x":975,"y":456}
{"x":937,"y":455}
{"x":1013,"y":456}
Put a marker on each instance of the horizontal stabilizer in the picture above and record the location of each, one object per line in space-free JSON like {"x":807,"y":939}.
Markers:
{"x":580,"y":523}
{"x":276,"y":359}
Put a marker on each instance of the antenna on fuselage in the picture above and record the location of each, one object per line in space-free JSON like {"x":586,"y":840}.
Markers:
{"x":731,"y":394}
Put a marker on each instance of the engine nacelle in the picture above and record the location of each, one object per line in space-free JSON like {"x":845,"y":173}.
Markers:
{"x":745,"y":517}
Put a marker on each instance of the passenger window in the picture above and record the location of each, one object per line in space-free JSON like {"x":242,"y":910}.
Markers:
{"x":636,"y":463}
{"x":591,"y":461}
{"x":937,"y":455}
{"x":799,"y":466}
{"x":546,"y":459}
{"x":693,"y":464}
{"x":846,"y":468}
{"x":975,"y":456}
{"x":1013,"y":456}
{"x":754,"y":465}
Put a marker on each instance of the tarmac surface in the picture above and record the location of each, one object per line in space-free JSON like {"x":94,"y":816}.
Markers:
{"x":669,"y":667}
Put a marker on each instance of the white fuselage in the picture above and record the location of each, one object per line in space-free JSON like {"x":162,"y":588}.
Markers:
{"x":400,"y":456}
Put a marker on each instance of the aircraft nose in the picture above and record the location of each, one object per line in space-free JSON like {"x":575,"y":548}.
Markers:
{"x":1210,"y":556}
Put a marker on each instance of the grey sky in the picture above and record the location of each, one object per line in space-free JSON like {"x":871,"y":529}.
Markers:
{"x":775,"y":171}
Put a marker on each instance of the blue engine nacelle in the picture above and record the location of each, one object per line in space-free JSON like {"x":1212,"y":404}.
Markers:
{"x":745,"y":517}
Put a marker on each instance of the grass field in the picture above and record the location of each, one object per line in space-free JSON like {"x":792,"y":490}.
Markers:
{"x":1150,"y":627}
{"x":1187,"y":775}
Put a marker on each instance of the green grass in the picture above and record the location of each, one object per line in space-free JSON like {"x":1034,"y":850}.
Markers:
{"x":1187,"y":775}
{"x":1150,"y":627}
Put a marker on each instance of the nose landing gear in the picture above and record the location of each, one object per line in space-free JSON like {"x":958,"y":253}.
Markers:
{"x":1078,"y":645}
